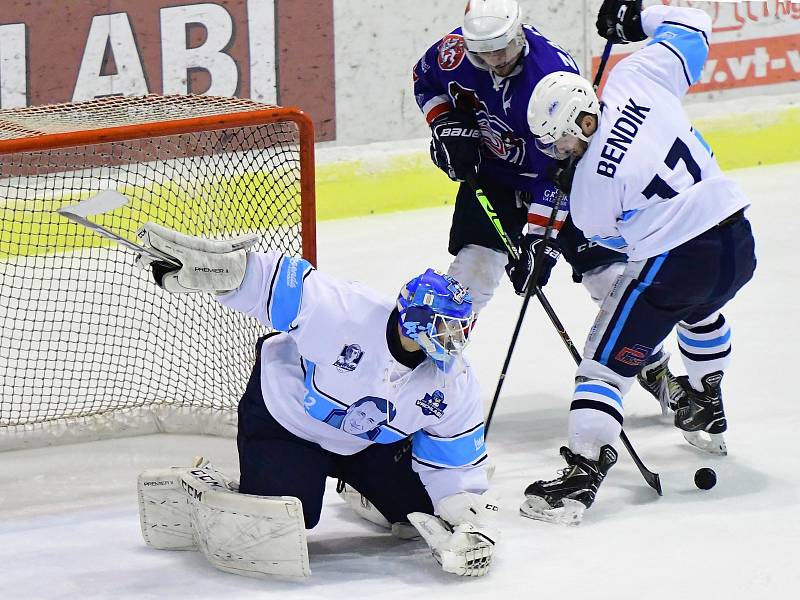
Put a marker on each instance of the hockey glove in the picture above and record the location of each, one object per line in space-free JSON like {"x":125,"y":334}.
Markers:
{"x":205,"y":265}
{"x":456,"y":144}
{"x":620,"y":21}
{"x":462,"y":539}
{"x":520,"y":271}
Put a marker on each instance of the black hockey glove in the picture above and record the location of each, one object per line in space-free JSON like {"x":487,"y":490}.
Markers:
{"x":456,"y":144}
{"x":620,"y":21}
{"x":520,"y":271}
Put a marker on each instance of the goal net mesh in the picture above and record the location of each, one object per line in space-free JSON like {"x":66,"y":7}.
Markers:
{"x":90,"y":346}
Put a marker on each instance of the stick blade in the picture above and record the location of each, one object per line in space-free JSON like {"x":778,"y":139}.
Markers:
{"x":100,"y":203}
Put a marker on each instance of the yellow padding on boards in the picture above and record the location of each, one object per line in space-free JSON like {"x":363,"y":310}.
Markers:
{"x":242,"y":203}
{"x":753,"y":140}
{"x":350,"y":190}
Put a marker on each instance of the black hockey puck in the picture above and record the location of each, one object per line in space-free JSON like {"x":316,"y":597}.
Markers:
{"x":705,"y":478}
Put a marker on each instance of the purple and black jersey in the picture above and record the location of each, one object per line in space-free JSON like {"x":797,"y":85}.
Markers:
{"x":445,"y":78}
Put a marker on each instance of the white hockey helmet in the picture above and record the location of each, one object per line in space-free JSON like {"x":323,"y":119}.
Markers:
{"x":554,"y":110}
{"x":493,"y":33}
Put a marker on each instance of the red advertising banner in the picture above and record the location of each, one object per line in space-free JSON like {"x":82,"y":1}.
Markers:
{"x":269,"y":50}
{"x":753,"y":44}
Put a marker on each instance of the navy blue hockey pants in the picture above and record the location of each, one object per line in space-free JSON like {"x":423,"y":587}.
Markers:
{"x":275,"y":462}
{"x":686,"y":284}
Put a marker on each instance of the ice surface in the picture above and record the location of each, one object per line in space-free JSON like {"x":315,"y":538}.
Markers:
{"x":68,"y":515}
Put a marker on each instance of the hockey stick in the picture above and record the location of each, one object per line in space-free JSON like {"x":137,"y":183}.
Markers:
{"x":652,"y":479}
{"x":472,"y":181}
{"x":484,"y":201}
{"x":602,"y":66}
{"x":99,"y":204}
{"x":538,"y":263}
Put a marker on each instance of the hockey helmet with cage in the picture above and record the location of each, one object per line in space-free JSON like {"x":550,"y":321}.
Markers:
{"x":493,"y":34}
{"x":555,"y":109}
{"x":436,"y":312}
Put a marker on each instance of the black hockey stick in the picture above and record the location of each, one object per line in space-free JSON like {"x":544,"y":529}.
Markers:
{"x":652,"y":479}
{"x":538,"y":263}
{"x":484,"y":201}
{"x":602,"y":66}
{"x":472,"y":181}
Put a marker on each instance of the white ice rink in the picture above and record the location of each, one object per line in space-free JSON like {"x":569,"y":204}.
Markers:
{"x":68,"y":515}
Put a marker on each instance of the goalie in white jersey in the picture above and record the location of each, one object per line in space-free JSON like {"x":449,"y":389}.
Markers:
{"x":352,"y":385}
{"x":648,"y":185}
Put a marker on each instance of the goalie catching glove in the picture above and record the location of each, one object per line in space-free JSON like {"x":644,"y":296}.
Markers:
{"x":216,"y":266}
{"x":463,"y":537}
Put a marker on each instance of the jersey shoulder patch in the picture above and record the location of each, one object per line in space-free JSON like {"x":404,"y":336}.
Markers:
{"x":451,"y":51}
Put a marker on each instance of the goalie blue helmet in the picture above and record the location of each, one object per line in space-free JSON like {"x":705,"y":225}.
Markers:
{"x":436,"y":313}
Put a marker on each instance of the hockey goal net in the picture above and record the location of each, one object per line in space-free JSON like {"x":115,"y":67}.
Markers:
{"x":90,"y":347}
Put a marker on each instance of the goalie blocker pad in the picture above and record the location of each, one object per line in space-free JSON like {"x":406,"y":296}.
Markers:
{"x":194,"y":509}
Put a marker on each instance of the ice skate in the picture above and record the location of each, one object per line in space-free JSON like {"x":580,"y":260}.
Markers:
{"x":657,"y":379}
{"x":701,"y":416}
{"x":564,"y":499}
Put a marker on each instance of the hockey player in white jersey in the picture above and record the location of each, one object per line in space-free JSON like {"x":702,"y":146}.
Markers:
{"x":648,"y":185}
{"x":371,"y":390}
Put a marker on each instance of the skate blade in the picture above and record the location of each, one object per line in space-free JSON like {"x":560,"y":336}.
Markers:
{"x":713,"y":443}
{"x":537,"y":508}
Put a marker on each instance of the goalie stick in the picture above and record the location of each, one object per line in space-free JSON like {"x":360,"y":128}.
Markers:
{"x":99,"y":204}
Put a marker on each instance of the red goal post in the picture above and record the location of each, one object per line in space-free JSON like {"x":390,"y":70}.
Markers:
{"x":89,"y":347}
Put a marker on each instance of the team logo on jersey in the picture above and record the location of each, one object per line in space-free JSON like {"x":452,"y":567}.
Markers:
{"x":349,"y":358}
{"x":633,"y":356}
{"x":451,"y":52}
{"x":432,"y":404}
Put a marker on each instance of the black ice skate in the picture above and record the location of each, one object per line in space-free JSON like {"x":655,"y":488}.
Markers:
{"x":701,"y":416}
{"x":657,"y":379}
{"x":565,"y":498}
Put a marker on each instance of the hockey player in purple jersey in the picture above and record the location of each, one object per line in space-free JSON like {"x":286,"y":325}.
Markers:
{"x":474,"y":86}
{"x":646,"y":184}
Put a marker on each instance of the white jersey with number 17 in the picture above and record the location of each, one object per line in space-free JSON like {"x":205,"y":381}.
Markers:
{"x":649,"y":182}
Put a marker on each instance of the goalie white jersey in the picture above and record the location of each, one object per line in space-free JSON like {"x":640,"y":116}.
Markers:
{"x":648,"y":181}
{"x":331,"y":378}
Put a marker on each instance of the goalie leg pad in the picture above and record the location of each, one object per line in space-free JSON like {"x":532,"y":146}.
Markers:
{"x":165,"y":514}
{"x":255,"y":536}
